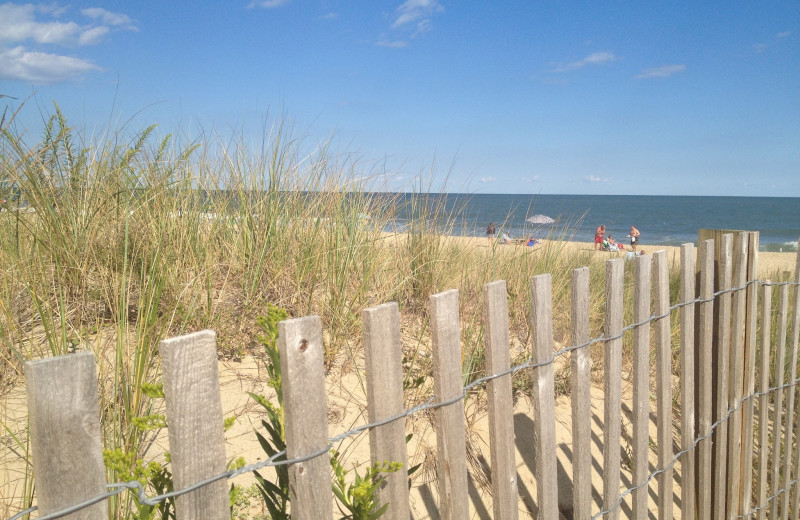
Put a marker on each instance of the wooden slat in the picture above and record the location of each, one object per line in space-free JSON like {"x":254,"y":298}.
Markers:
{"x":746,"y":490}
{"x":612,"y":380}
{"x":735,"y":389}
{"x":641,"y":385}
{"x":383,"y":359}
{"x":580,"y":366}
{"x":65,"y":434}
{"x":789,"y":417}
{"x":194,"y":415}
{"x":451,"y":447}
{"x":501,"y":406}
{"x":544,"y":428}
{"x":303,"y":376}
{"x":663,"y":381}
{"x":687,"y":381}
{"x":795,"y":491}
{"x":777,"y":420}
{"x":705,"y":331}
{"x":763,"y":400}
{"x":722,"y":374}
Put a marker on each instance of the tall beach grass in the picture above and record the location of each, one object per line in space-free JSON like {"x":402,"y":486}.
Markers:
{"x":113,"y":243}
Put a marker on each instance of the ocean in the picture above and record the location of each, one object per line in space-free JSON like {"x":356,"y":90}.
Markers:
{"x":661,"y":220}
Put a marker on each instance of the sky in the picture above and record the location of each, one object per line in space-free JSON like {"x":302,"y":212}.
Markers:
{"x":517,"y":96}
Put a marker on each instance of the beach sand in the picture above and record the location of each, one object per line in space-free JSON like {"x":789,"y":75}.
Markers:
{"x":771,"y":265}
{"x":346,"y":410}
{"x":345,"y":399}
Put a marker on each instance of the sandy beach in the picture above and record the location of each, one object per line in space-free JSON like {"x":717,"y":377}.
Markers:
{"x":771,"y":265}
{"x":345,"y":402}
{"x":345,"y":398}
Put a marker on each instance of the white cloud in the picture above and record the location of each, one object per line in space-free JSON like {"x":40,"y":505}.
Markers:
{"x":592,"y":178}
{"x":269,"y":4}
{"x":423,"y":26}
{"x":758,"y":48}
{"x":416,"y":11}
{"x":18,"y":23}
{"x":108,"y":17}
{"x":93,"y":36}
{"x":28,"y":34}
{"x":395,"y":44}
{"x":488,"y":179}
{"x":40,"y":67}
{"x":597,"y":58}
{"x":663,"y":71}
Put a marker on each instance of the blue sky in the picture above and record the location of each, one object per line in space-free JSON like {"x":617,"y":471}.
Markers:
{"x":673,"y":98}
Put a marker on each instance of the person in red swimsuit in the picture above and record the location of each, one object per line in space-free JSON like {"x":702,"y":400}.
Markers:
{"x":598,"y":236}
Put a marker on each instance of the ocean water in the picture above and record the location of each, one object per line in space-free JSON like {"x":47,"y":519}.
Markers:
{"x":661,"y":220}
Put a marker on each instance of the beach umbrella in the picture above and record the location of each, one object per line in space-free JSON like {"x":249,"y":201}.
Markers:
{"x":539,"y":219}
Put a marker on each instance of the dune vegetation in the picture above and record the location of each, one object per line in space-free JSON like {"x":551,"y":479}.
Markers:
{"x":112,"y":243}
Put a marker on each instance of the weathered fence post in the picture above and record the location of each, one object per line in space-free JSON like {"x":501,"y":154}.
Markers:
{"x":763,"y":400}
{"x":737,"y":360}
{"x":65,"y":434}
{"x":777,"y":422}
{"x":688,"y":488}
{"x":750,"y":335}
{"x":451,"y":448}
{"x":795,"y":490}
{"x":581,"y":366}
{"x":788,"y":437}
{"x":663,"y":382}
{"x":544,"y":428}
{"x":384,"y":367}
{"x":612,"y":380}
{"x":303,"y":376}
{"x":705,"y":332}
{"x":501,"y":407}
{"x":641,"y":385}
{"x":196,"y":430}
{"x":722,"y":373}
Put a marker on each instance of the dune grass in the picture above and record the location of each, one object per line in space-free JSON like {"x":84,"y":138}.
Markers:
{"x":112,"y":244}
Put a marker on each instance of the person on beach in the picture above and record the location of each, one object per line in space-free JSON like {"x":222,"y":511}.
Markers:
{"x":598,"y":236}
{"x":506,"y":239}
{"x":612,"y":244}
{"x":490,"y":233}
{"x":634,"y":234}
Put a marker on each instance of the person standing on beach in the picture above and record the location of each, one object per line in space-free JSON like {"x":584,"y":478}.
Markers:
{"x":490,"y":233}
{"x":634,"y":234}
{"x":598,"y":235}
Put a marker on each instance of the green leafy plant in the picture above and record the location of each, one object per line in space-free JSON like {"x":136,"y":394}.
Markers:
{"x":152,"y":475}
{"x":357,"y":501}
{"x":155,"y":476}
{"x":275,"y":494}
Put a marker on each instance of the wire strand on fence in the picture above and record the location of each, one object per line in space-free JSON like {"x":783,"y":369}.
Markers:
{"x":431,"y":404}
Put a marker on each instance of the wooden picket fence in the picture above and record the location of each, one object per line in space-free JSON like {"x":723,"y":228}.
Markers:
{"x":724,"y":471}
